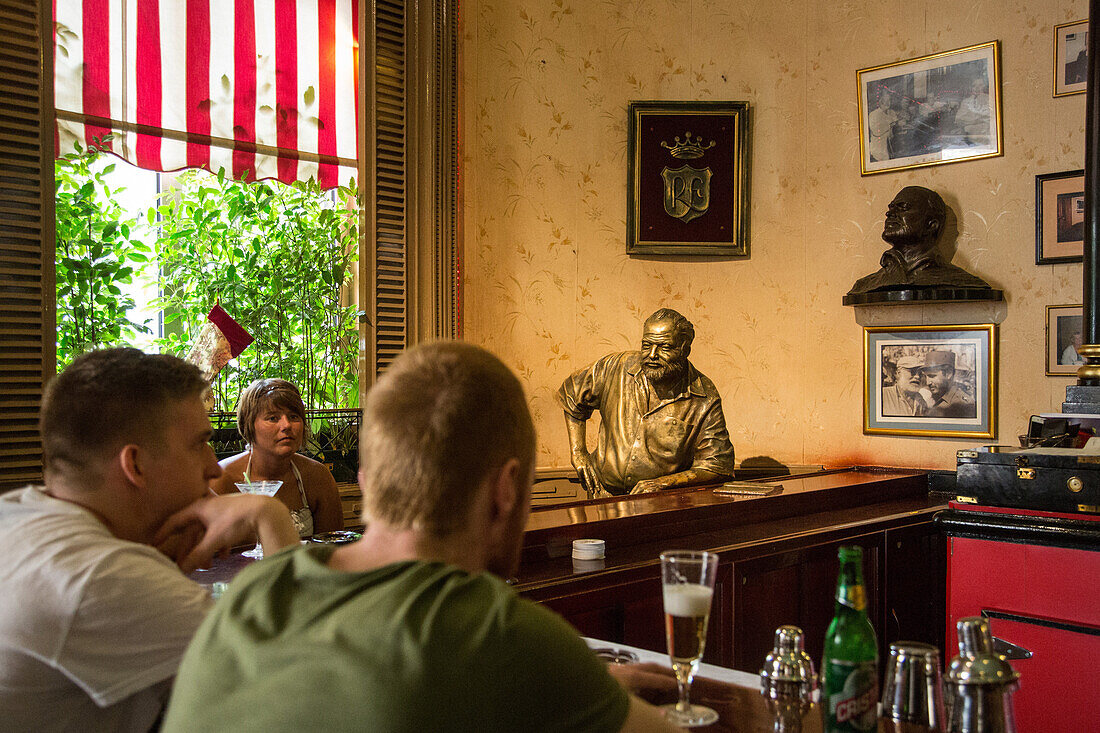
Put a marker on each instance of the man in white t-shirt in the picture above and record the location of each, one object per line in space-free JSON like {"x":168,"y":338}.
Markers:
{"x":95,"y":609}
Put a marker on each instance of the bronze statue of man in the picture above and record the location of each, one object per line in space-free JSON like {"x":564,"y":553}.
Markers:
{"x":914,"y":223}
{"x":661,"y":419}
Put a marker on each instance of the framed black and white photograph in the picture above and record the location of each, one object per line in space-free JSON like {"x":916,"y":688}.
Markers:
{"x":1059,"y":217}
{"x":1071,"y":57}
{"x":1065,"y":328}
{"x":931,"y":110}
{"x":936,"y":381}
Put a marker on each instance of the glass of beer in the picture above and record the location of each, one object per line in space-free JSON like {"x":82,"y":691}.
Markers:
{"x":688,"y":583}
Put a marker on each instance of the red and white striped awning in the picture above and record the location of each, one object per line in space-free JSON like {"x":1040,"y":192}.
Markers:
{"x":259,"y":88}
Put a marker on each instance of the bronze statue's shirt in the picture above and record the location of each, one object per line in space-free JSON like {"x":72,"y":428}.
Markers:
{"x":640,"y":436}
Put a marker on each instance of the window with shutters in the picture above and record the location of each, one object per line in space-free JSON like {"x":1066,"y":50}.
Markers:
{"x":26,"y":235}
{"x":408,"y":163}
{"x":411,"y":244}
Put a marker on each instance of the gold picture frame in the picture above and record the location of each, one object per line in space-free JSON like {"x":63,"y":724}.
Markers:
{"x":1065,"y":327}
{"x":1071,"y":59}
{"x":931,"y":110}
{"x":688,"y":179}
{"x":937,"y":381}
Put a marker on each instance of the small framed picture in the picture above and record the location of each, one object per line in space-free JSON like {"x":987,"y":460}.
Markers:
{"x":1071,"y":57}
{"x":1059,"y":217}
{"x":1065,"y":326}
{"x":930,"y":380}
{"x":688,"y":178}
{"x":936,"y":109}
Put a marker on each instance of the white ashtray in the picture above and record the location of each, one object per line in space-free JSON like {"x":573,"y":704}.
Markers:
{"x":588,"y":549}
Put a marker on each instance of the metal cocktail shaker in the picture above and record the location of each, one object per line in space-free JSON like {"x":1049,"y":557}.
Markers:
{"x":980,"y":683}
{"x":912,"y":692}
{"x":787,"y":680}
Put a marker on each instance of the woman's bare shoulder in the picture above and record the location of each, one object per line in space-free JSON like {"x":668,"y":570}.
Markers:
{"x":312,"y":470}
{"x":232,"y":471}
{"x":235,"y":464}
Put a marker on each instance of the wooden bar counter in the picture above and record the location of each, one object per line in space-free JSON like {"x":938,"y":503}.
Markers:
{"x":777,"y":560}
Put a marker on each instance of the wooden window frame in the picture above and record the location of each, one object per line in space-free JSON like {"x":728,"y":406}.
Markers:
{"x":409,"y":157}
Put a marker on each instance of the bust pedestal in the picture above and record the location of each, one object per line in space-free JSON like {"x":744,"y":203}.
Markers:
{"x":938,"y":294}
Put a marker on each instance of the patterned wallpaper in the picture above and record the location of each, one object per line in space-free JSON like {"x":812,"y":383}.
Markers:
{"x":548,"y":285}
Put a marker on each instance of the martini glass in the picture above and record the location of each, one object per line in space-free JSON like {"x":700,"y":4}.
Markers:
{"x":267,"y":488}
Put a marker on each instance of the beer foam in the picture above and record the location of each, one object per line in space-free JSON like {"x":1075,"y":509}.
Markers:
{"x":687,"y":599}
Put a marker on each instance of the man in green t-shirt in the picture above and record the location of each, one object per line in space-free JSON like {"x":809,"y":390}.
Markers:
{"x":411,"y":628}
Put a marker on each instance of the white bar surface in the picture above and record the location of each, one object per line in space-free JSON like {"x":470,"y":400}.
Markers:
{"x":710,"y":671}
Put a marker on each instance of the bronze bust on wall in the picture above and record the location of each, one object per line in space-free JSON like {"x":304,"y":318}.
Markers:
{"x":913,"y":269}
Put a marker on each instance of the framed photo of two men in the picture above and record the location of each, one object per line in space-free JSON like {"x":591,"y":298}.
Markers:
{"x":930,"y":380}
{"x":942,"y":108}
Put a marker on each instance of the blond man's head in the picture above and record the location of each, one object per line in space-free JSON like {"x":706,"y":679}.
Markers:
{"x":435,"y":425}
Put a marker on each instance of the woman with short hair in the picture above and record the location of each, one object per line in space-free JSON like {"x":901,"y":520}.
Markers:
{"x":272,"y":419}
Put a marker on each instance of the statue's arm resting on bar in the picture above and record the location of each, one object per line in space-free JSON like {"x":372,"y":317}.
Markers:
{"x":580,"y":457}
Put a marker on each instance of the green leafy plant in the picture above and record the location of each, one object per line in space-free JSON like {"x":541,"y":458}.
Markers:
{"x":97,"y":251}
{"x":279,"y":259}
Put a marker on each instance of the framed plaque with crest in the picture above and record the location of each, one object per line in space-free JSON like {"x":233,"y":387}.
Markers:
{"x":688,"y":184}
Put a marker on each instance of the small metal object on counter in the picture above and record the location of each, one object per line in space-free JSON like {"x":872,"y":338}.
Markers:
{"x":912,"y":689}
{"x":979,"y":683}
{"x":787,"y":680}
{"x":615,"y":656}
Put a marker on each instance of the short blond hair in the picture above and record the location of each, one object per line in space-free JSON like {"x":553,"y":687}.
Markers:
{"x":435,"y":425}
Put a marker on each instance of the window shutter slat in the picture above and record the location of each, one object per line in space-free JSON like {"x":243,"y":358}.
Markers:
{"x":26,"y":235}
{"x":390,"y":182}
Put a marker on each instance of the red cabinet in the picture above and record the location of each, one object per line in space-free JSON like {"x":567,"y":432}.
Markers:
{"x":1036,"y":577}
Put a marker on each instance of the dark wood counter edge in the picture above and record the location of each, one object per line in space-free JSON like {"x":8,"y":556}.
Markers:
{"x":694,"y":511}
{"x":1021,"y":529}
{"x":538,"y":579}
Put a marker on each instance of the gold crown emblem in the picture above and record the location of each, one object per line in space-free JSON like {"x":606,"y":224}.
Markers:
{"x":689,"y":149}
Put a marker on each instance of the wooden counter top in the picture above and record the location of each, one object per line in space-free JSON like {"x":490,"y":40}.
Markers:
{"x":552,"y":563}
{"x":625,"y":521}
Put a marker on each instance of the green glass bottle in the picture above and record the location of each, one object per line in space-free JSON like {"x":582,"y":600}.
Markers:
{"x":850,"y":666}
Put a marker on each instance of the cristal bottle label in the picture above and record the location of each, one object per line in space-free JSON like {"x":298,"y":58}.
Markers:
{"x":852,"y":704}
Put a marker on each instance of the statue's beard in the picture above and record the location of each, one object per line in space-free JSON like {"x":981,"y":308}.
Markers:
{"x":666,"y":373}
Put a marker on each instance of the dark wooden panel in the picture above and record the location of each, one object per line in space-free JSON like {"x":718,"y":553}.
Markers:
{"x":916,"y":585}
{"x":796,"y":587}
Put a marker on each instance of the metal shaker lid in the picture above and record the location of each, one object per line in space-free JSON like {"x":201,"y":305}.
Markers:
{"x":977,"y":663}
{"x":788,"y":660}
